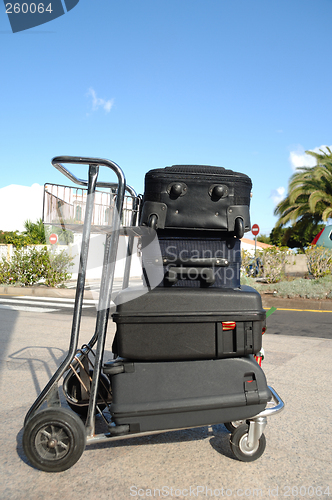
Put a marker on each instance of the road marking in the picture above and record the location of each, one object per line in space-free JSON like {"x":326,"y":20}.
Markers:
{"x":27,"y":309}
{"x":37,"y":302}
{"x":301,"y":310}
{"x":57,"y":299}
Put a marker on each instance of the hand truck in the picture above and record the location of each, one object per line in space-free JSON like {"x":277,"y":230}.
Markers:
{"x":55,"y":437}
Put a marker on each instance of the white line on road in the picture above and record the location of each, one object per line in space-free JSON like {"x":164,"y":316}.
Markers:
{"x":37,"y":302}
{"x":27,"y":309}
{"x":50,"y":299}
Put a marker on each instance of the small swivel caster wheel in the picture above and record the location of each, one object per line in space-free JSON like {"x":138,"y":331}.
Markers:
{"x":153,"y":222}
{"x":240,"y":446}
{"x":239,"y":228}
{"x":54,"y":439}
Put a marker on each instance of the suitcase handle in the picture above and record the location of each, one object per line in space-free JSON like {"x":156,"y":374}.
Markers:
{"x":203,"y":274}
{"x":198,"y":262}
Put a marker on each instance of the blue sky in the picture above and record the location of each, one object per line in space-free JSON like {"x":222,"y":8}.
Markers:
{"x":244,"y":84}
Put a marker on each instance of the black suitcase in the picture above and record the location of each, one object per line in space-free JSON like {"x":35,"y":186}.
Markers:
{"x":170,"y":395}
{"x":197,"y":197}
{"x":187,"y":323}
{"x":188,"y":258}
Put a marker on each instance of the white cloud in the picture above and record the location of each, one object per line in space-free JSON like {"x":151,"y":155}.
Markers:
{"x":277,"y":195}
{"x":299,"y":158}
{"x":19,"y":203}
{"x":97,"y":102}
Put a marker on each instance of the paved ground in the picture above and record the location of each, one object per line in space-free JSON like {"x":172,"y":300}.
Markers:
{"x":193,"y":463}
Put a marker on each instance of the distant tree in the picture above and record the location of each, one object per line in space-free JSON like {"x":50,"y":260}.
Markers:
{"x":18,"y":240}
{"x":64,"y":236}
{"x":263,"y":238}
{"x":299,"y":235}
{"x":4,"y":234}
{"x":35,"y":234}
{"x":35,"y":231}
{"x":309,"y":193}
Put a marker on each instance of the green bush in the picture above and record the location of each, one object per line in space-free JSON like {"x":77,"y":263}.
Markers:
{"x":246,"y":259}
{"x":274,"y":260}
{"x":320,"y":288}
{"x":319,"y":261}
{"x":28,"y":267}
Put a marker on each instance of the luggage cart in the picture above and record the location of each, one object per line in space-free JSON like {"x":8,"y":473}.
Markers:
{"x":55,"y":437}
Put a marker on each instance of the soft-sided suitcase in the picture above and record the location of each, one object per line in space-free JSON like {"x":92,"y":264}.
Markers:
{"x":187,"y":323}
{"x":197,"y":197}
{"x":170,"y":395}
{"x":194,"y":259}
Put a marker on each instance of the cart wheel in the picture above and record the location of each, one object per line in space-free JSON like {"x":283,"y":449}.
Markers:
{"x":239,"y":228}
{"x":231,"y":426}
{"x":72,"y":392}
{"x":54,"y":439}
{"x":153,"y":221}
{"x":240,"y":448}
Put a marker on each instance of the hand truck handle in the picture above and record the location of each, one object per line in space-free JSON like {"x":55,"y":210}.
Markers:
{"x":57,"y":162}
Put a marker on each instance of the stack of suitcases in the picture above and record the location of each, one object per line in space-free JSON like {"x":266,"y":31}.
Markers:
{"x":186,"y":343}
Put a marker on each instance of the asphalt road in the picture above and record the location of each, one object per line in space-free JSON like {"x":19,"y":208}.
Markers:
{"x":300,"y":323}
{"x":298,"y":452}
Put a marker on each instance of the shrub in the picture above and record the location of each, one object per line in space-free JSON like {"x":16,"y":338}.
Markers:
{"x":28,"y":267}
{"x":246,"y":259}
{"x":274,"y":260}
{"x":319,"y":261}
{"x":269,"y":263}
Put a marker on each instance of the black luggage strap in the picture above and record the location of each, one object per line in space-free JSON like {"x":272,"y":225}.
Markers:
{"x":251,"y":390}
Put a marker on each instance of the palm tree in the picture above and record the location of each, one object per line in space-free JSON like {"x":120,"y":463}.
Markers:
{"x":35,"y":230}
{"x":309,"y":193}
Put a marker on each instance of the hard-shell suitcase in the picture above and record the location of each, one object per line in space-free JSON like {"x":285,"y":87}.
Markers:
{"x":187,"y":323}
{"x":194,"y":259}
{"x":148,"y":396}
{"x":197,"y":197}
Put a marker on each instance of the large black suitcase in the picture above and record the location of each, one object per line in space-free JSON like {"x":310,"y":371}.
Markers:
{"x":187,"y":323}
{"x":188,"y":258}
{"x":170,"y":395}
{"x":197,"y":197}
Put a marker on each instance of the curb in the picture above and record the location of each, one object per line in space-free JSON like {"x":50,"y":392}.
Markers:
{"x":298,"y":304}
{"x":44,"y":292}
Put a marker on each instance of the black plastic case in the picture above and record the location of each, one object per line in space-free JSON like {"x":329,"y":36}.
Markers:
{"x":187,"y":323}
{"x":171,"y":395}
{"x":197,"y":196}
{"x":192,"y":259}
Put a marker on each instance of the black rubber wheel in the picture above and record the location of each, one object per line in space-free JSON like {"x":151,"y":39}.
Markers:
{"x":231,"y":426}
{"x":72,"y":392}
{"x":153,"y":221}
{"x":54,"y":439}
{"x":239,"y":228}
{"x":240,"y":448}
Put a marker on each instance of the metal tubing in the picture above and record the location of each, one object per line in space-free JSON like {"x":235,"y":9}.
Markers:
{"x":111,"y":247}
{"x":269,"y":411}
{"x":93,"y":174}
{"x":58,"y":160}
{"x":256,"y":429}
{"x":130,"y":245}
{"x":103,"y":438}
